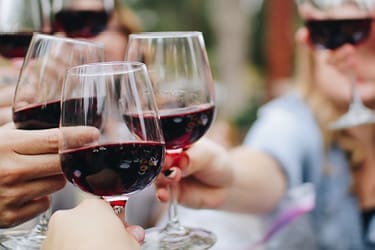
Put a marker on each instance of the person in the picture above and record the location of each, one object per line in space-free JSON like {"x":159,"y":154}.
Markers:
{"x":91,"y":225}
{"x":291,"y":144}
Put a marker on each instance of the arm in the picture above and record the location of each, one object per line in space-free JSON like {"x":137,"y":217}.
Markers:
{"x":91,"y":225}
{"x":239,"y":180}
{"x":259,"y":181}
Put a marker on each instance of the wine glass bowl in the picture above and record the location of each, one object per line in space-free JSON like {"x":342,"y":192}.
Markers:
{"x":19,"y":19}
{"x":182,"y":81}
{"x":332,"y":24}
{"x":178,"y":66}
{"x":81,"y":18}
{"x":36,"y":103}
{"x":124,"y":159}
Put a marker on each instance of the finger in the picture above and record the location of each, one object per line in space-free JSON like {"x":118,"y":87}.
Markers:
{"x":168,"y":161}
{"x":137,"y":232}
{"x":194,"y":194}
{"x":22,"y":168}
{"x":31,"y":142}
{"x":162,"y":194}
{"x":163,"y":181}
{"x":35,"y":189}
{"x":24,"y":213}
{"x":78,"y":136}
{"x":202,"y":154}
{"x":180,"y":160}
{"x":341,"y":54}
{"x":169,"y":176}
{"x":208,"y":158}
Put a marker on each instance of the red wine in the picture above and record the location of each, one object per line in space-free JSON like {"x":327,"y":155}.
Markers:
{"x":333,"y":33}
{"x":81,"y":23}
{"x":113,"y":169}
{"x":14,"y":44}
{"x":41,"y":116}
{"x":83,"y":111}
{"x":181,"y":127}
{"x":44,"y":116}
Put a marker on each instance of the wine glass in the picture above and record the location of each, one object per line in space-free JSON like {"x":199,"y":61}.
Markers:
{"x":36,"y":103}
{"x":81,"y":18}
{"x":180,"y":73}
{"x":332,"y":24}
{"x":117,"y":99}
{"x":18,"y":20}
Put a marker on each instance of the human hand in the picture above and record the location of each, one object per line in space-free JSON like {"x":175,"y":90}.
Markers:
{"x":201,"y":174}
{"x":357,"y":61}
{"x":30,"y":170}
{"x":91,"y":225}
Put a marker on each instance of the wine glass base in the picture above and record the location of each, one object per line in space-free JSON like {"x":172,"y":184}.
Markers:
{"x":190,"y":239}
{"x":353,"y":119}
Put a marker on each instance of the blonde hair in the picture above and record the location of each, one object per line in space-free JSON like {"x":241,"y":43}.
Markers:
{"x":321,"y":107}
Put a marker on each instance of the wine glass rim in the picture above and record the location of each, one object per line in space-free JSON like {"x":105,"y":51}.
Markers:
{"x":165,"y":34}
{"x":66,"y":39}
{"x":78,"y":70}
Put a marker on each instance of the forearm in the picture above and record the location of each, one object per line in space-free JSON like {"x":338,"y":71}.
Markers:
{"x":258,"y":182}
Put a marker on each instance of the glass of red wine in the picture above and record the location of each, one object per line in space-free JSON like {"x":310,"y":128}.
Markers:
{"x":36,"y":103}
{"x":19,"y":19}
{"x":81,"y":18}
{"x":111,"y":97}
{"x":332,"y":24}
{"x":181,"y":76}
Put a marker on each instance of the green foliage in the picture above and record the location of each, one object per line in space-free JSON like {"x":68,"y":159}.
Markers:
{"x":168,"y":15}
{"x":257,"y":51}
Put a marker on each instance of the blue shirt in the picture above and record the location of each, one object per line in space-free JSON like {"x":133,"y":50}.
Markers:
{"x":287,"y":130}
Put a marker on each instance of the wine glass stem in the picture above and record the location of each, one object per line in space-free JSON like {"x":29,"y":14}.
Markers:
{"x":173,"y":224}
{"x":356,"y":101}
{"x":118,"y":205}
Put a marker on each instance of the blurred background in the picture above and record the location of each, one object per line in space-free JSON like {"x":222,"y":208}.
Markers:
{"x":250,"y":45}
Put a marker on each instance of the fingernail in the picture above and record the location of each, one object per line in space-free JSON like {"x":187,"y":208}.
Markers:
{"x":169,"y":173}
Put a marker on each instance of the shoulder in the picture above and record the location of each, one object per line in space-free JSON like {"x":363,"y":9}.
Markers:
{"x":286,"y":113}
{"x":287,"y":120}
{"x":291,"y":105}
